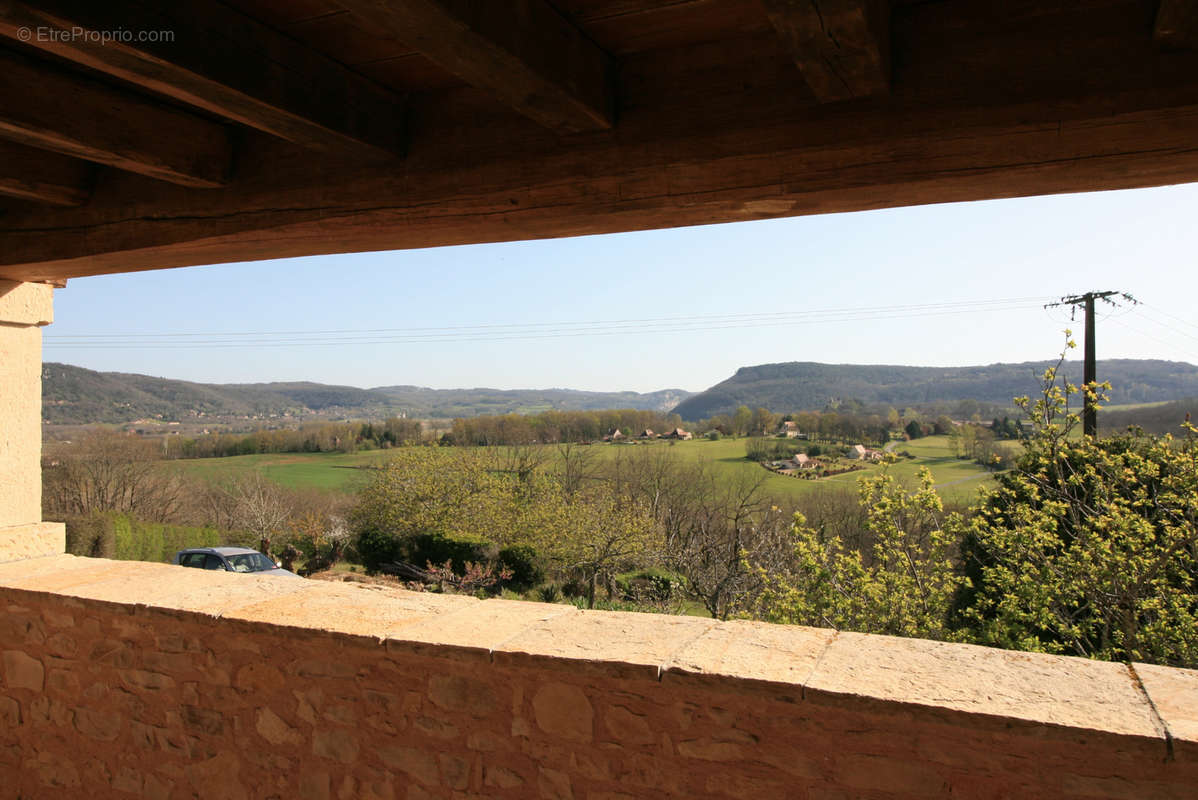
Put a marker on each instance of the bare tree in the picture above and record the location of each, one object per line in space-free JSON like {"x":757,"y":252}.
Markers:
{"x":577,"y":466}
{"x":710,"y":522}
{"x":256,"y":504}
{"x":110,"y":471}
{"x":717,"y":523}
{"x":522,"y":460}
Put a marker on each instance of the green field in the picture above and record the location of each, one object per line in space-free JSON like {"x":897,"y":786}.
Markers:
{"x":957,"y":479}
{"x":333,"y":471}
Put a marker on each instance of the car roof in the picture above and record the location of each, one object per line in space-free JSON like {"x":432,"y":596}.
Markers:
{"x":221,"y":551}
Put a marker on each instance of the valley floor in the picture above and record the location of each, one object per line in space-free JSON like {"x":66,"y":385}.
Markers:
{"x":957,"y":479}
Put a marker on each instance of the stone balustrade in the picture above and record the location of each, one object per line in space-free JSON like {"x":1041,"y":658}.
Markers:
{"x":149,"y":680}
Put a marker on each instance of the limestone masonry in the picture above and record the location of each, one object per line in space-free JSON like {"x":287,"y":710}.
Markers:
{"x":145,"y":680}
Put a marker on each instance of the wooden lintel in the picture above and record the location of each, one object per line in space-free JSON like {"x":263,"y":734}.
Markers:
{"x":1177,"y":25}
{"x":207,"y":55}
{"x":521,"y":51}
{"x":49,"y":109}
{"x":841,"y":46}
{"x":771,"y":176}
{"x":29,"y":174}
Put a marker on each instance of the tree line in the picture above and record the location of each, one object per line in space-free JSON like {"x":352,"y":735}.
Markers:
{"x":554,"y":427}
{"x":314,"y":437}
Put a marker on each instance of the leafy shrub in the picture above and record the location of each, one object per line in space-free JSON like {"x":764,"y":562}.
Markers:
{"x":377,"y":548}
{"x":650,"y":585}
{"x":432,"y":548}
{"x":524,"y":564}
{"x":1089,"y":547}
{"x":574,"y":587}
{"x":903,"y":587}
{"x":91,"y":536}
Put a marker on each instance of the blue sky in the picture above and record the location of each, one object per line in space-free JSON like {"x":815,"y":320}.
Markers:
{"x":902,"y":286}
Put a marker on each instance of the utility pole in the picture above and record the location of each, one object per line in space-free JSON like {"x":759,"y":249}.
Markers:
{"x":1090,"y":369}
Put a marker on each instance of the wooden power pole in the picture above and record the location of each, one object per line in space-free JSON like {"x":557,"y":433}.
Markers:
{"x":1090,"y":369}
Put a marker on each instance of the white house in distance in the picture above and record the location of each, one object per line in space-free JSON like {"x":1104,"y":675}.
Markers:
{"x":803,"y":461}
{"x":862,"y":452}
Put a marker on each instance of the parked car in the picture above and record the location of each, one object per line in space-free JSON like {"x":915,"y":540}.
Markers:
{"x":230,"y":559}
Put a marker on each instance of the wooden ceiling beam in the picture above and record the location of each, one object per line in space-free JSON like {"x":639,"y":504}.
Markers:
{"x":49,"y":109}
{"x":207,"y":55}
{"x":841,"y":46}
{"x":1177,"y":25}
{"x":805,"y":168}
{"x":43,"y":177}
{"x":523,"y":52}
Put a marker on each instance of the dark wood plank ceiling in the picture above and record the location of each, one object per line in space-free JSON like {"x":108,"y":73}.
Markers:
{"x":265,"y":128}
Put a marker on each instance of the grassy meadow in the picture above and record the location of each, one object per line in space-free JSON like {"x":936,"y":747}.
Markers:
{"x":957,"y":479}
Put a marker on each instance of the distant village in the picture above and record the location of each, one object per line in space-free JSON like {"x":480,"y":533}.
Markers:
{"x":677,"y":433}
{"x":829,"y":460}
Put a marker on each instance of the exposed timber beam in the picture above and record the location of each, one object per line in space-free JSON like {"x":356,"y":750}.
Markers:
{"x":43,"y":107}
{"x":521,"y":51}
{"x":209,"y":56}
{"x":43,"y":177}
{"x":1177,"y":24}
{"x":841,"y":46}
{"x":631,"y":191}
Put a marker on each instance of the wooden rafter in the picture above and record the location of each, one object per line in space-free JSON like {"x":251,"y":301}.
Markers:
{"x":212,"y":57}
{"x":521,"y":51}
{"x":741,"y":178}
{"x":1177,"y":24}
{"x":43,"y":177}
{"x":841,"y":46}
{"x":46,"y":108}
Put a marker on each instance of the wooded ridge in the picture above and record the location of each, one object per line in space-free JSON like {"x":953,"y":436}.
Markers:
{"x":797,"y":386}
{"x":75,"y":395}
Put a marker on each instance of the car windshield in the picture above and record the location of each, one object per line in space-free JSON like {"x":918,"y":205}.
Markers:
{"x":250,"y":562}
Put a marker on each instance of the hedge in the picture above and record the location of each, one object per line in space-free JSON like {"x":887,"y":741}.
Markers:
{"x":119,"y":536}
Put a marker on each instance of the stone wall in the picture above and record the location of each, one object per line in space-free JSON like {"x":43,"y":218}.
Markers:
{"x":147,"y":680}
{"x":24,"y":308}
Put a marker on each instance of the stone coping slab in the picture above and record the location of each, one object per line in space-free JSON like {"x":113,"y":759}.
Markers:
{"x":32,"y":540}
{"x":1174,"y":695}
{"x":613,"y":643}
{"x":347,"y":608}
{"x":765,"y":656}
{"x":475,"y":631}
{"x":856,"y":671}
{"x":1061,"y":691}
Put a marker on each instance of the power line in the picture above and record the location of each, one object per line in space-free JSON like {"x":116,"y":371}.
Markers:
{"x":537,"y":330}
{"x":1170,"y":316}
{"x":697,"y":319}
{"x":1168,"y":326}
{"x":1172,"y":345}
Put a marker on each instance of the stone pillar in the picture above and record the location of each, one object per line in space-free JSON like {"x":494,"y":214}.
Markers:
{"x":24,"y":309}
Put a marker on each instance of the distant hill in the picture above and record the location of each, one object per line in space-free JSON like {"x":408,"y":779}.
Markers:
{"x":1152,"y":417}
{"x":797,"y":386}
{"x":476,"y":402}
{"x":74,"y":395}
